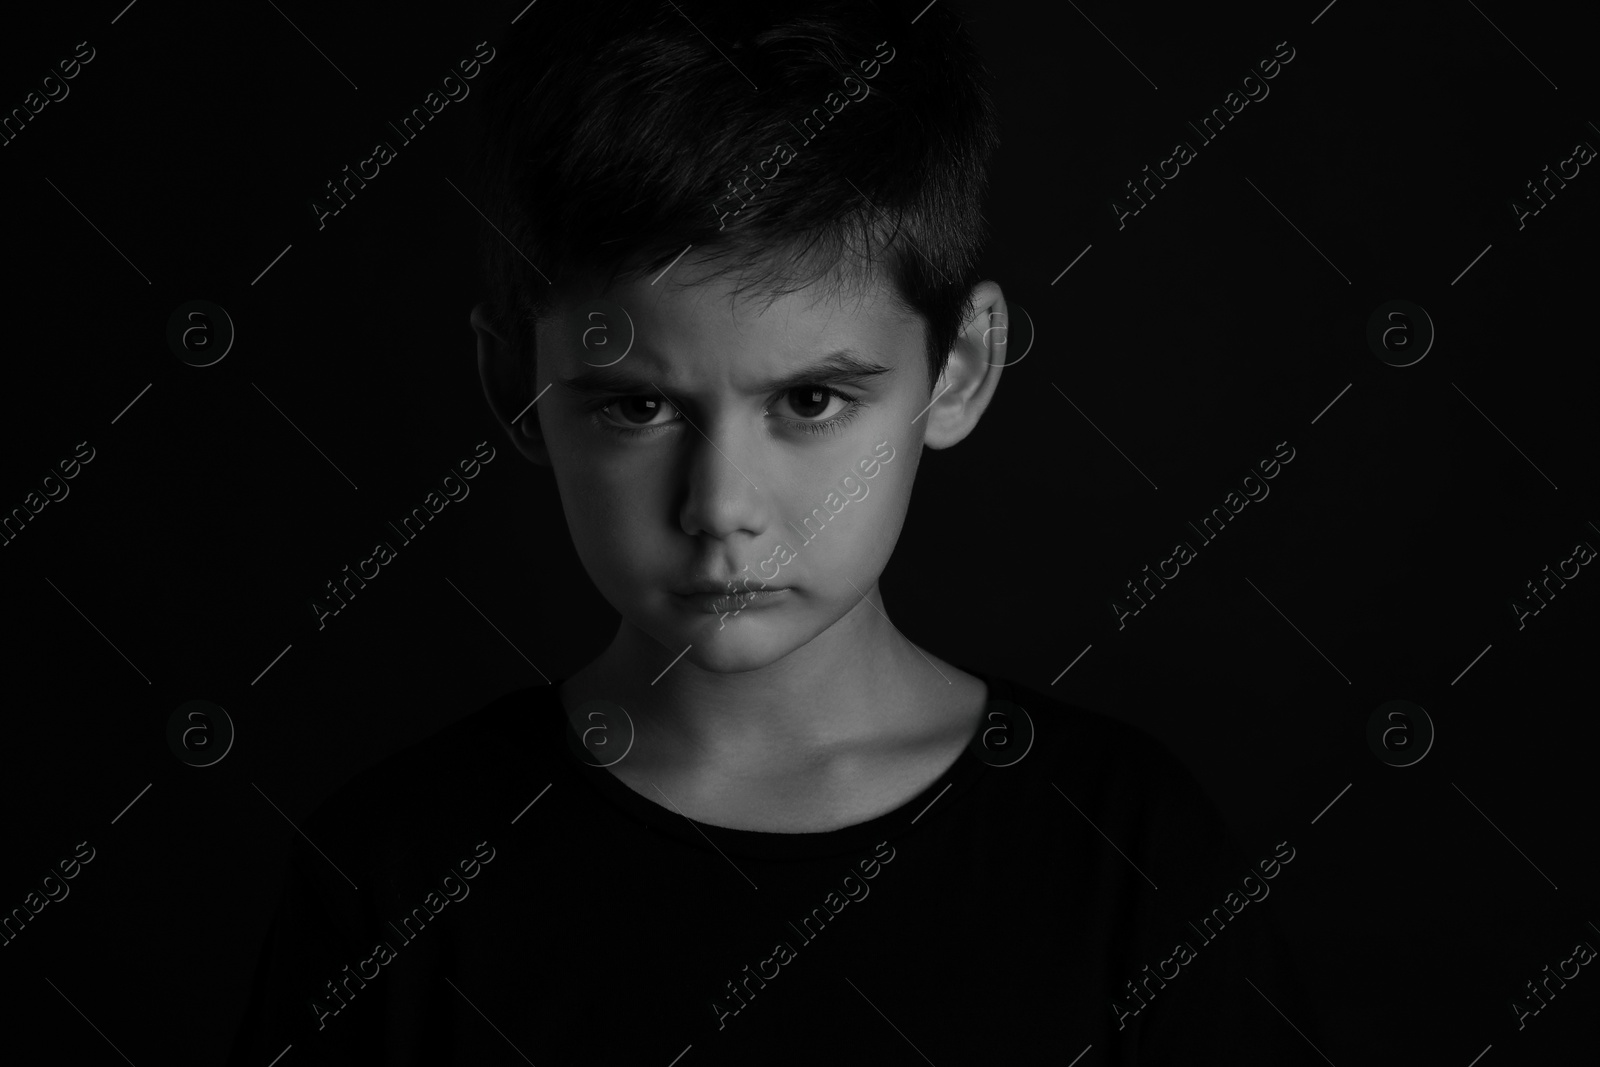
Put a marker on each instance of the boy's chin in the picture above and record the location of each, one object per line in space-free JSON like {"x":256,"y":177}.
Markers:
{"x":741,"y":644}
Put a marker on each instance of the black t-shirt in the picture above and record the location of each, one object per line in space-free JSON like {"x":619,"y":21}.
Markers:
{"x":489,"y":896}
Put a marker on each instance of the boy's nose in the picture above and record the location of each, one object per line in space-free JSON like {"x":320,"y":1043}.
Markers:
{"x":724,"y":496}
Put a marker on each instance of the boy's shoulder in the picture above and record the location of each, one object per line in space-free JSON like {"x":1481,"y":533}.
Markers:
{"x":481,"y":770}
{"x":454,"y":781}
{"x":1072,"y":739}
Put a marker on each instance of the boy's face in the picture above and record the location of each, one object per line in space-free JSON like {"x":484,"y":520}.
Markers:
{"x":684,"y":464}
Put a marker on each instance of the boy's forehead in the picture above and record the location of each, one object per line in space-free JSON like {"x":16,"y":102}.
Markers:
{"x":705,"y":288}
{"x":671,"y":318}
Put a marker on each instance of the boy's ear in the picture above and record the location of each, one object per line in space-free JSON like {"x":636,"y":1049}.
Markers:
{"x":507,"y":386}
{"x":972,"y":372}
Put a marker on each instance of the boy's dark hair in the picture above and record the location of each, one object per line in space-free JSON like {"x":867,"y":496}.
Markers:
{"x":618,"y":131}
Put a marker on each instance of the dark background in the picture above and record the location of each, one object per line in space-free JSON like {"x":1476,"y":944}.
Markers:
{"x":1196,"y":338}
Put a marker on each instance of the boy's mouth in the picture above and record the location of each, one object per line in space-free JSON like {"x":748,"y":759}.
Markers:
{"x":721,"y":586}
{"x":717,"y":601}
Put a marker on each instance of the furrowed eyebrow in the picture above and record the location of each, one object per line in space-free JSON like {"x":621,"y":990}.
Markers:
{"x":844,"y":367}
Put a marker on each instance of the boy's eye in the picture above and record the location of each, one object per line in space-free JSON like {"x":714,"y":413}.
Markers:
{"x":636,"y":410}
{"x":809,"y":403}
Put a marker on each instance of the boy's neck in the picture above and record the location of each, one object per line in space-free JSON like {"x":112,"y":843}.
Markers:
{"x":857,"y":686}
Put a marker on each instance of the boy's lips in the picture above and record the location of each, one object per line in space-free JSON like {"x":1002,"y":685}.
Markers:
{"x":725,"y":587}
{"x":719,"y":601}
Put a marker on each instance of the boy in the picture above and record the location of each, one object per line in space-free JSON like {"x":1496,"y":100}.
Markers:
{"x":733,"y":252}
